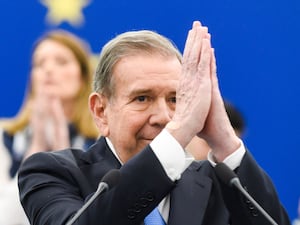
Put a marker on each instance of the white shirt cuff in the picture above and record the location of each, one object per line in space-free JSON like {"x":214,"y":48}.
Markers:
{"x":234,"y":160}
{"x":171,"y":155}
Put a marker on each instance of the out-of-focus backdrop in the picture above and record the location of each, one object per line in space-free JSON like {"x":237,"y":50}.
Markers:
{"x":257,"y":47}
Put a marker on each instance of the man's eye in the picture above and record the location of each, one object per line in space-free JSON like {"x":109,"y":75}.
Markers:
{"x":173,"y":99}
{"x":141,"y":98}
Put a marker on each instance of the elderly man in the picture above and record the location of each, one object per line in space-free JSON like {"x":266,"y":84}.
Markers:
{"x":148,"y":103}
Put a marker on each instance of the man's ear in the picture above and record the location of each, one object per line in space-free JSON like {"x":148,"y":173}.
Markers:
{"x":97,"y":106}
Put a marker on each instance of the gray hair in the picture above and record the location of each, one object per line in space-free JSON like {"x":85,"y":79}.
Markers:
{"x":129,"y":44}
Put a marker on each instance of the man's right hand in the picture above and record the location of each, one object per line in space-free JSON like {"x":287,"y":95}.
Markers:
{"x":193,"y":97}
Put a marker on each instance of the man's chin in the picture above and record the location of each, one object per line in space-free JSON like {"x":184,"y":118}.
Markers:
{"x":143,"y":143}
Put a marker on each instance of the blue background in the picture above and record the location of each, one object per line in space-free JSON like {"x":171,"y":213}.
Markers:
{"x":257,"y":48}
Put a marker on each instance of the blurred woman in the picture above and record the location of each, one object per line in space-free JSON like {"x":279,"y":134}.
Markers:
{"x":54,"y":114}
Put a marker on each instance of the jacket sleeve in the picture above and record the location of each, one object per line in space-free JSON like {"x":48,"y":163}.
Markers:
{"x":259,"y":185}
{"x":50,"y":191}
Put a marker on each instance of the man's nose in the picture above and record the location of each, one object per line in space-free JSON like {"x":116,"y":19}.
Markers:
{"x":161,"y":113}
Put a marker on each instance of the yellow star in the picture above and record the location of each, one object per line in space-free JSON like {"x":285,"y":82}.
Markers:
{"x":65,"y":10}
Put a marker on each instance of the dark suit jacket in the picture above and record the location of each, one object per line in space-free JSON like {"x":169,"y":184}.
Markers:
{"x":53,"y":186}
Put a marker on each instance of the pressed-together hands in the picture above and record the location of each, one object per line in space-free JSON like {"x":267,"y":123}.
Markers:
{"x":199,"y":106}
{"x":49,"y":124}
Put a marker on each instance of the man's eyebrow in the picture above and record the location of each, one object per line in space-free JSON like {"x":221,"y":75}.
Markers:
{"x":147,"y":91}
{"x":140,"y":91}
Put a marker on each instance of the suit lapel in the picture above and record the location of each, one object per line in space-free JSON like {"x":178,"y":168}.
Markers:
{"x":96,"y":162}
{"x":190,"y":197}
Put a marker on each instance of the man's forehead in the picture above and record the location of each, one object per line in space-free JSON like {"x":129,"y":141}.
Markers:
{"x":150,"y":69}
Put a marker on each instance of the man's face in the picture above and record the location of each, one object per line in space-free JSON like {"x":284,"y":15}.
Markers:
{"x":143,"y":102}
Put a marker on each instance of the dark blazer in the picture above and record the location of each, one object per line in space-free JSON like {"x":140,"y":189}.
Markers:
{"x":53,"y":186}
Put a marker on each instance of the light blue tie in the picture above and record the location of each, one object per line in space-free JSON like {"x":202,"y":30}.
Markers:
{"x":154,"y":218}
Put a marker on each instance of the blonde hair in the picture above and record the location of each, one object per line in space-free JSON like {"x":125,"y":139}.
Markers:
{"x":128,"y":44}
{"x":82,"y":118}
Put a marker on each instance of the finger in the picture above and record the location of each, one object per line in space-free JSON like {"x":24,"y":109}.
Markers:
{"x":189,"y":42}
{"x":213,"y":65}
{"x":57,"y":111}
{"x":197,"y":23}
{"x":213,"y":69}
{"x":204,"y":66}
{"x":193,"y":37}
{"x":193,"y":52}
